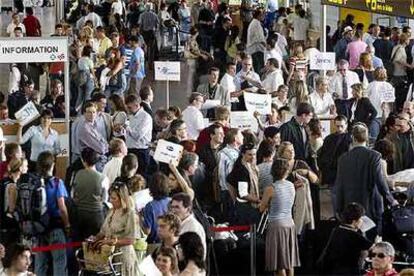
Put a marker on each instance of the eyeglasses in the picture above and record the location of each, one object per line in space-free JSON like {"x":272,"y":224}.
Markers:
{"x":379,"y":255}
{"x":340,"y":126}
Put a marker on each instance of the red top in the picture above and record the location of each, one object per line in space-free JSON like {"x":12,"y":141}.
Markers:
{"x":3,"y":169}
{"x":390,"y":272}
{"x":32,"y":25}
{"x":204,"y":137}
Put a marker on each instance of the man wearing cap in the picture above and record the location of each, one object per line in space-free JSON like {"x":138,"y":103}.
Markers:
{"x":342,"y":44}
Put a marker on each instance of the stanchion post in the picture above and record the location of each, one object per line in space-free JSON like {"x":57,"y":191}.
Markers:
{"x":168,"y":94}
{"x":253,"y":249}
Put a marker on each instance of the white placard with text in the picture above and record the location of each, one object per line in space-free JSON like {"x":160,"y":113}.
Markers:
{"x":24,"y":49}
{"x":322,"y":61}
{"x":167,"y":152}
{"x":27,"y":114}
{"x":167,"y":70}
{"x":258,"y":102}
{"x":243,"y":120}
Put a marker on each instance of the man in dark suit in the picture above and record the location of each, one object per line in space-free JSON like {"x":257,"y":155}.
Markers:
{"x":294,"y":131}
{"x":333,"y":147}
{"x":360,"y":179}
{"x":147,"y":97}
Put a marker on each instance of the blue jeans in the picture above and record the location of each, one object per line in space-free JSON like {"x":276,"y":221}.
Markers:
{"x":374,"y":128}
{"x":59,"y":256}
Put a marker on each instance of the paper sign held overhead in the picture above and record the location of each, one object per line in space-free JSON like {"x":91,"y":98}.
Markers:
{"x":167,"y":152}
{"x":322,"y":61}
{"x":258,"y":102}
{"x":24,"y":49}
{"x":27,"y":114}
{"x":167,"y":70}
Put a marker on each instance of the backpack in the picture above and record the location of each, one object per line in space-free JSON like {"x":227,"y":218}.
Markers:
{"x":31,"y":205}
{"x":9,"y":228}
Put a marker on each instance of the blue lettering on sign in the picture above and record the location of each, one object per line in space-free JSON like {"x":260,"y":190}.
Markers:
{"x":167,"y":71}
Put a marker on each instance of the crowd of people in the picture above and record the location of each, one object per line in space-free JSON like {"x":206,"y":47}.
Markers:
{"x":116,"y":194}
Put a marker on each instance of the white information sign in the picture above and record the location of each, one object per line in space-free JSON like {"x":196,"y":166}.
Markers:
{"x":243,"y":120}
{"x":322,"y":61}
{"x":167,"y":70}
{"x":167,"y":152}
{"x":27,"y":114}
{"x":258,"y":102}
{"x":326,"y":128}
{"x":22,"y":50}
{"x":387,"y":95}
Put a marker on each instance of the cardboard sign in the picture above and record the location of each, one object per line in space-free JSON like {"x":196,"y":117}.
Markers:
{"x":322,"y":61}
{"x":243,"y":120}
{"x":24,"y":49}
{"x":167,"y":152}
{"x":27,"y":114}
{"x":258,"y":102}
{"x":167,"y":70}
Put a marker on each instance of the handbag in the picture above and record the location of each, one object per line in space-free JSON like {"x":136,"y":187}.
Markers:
{"x":403,"y":218}
{"x":97,"y":260}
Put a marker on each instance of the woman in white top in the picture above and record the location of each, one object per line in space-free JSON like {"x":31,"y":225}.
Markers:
{"x":191,"y":252}
{"x":87,"y":77}
{"x":382,"y":95}
{"x":42,"y":137}
{"x":399,"y":57}
{"x":119,"y":116}
{"x":17,"y":261}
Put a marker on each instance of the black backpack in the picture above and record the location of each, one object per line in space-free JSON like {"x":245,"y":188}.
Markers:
{"x":31,"y":205}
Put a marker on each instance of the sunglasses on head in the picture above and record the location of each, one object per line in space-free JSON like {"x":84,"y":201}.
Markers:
{"x":378,"y":255}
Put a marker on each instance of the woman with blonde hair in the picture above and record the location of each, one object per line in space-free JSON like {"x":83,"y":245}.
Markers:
{"x":120,"y":228}
{"x":365,"y":69}
{"x":376,"y":92}
{"x":300,"y":94}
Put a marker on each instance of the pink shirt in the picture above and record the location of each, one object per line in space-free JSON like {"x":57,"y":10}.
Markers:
{"x":354,"y":50}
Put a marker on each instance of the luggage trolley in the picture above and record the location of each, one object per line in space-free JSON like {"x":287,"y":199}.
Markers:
{"x":109,"y":267}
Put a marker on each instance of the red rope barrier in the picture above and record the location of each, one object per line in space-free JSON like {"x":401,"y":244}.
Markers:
{"x":57,"y":246}
{"x":231,"y":228}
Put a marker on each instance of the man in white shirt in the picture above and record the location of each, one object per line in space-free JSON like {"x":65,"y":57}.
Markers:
{"x":118,"y":150}
{"x":273,"y":51}
{"x":228,"y":81}
{"x":193,"y":117}
{"x":322,"y":102}
{"x":15,"y":23}
{"x":256,"y":40}
{"x":246,"y":79}
{"x":182,"y":206}
{"x":340,"y":87}
{"x":117,"y":7}
{"x":138,"y":132}
{"x":300,"y":27}
{"x":272,"y":77}
{"x":103,"y":119}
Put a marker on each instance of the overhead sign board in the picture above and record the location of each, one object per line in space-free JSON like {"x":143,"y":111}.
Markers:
{"x":167,"y":70}
{"x":26,"y":49}
{"x":388,"y":7}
